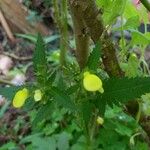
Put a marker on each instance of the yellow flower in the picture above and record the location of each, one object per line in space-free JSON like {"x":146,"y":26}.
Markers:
{"x":37,"y":95}
{"x":20,"y":97}
{"x":100,"y":120}
{"x":92,"y":83}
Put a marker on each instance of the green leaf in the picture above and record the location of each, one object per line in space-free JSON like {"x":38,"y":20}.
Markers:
{"x":86,"y":110}
{"x":139,"y":38}
{"x":30,"y":37}
{"x":39,"y":61}
{"x":63,"y":141}
{"x":44,"y":112}
{"x":51,"y":77}
{"x":111,"y":9}
{"x":132,"y":69}
{"x":39,"y":142}
{"x":94,"y":57}
{"x":62,"y":99}
{"x":122,"y":90}
{"x":8,"y":146}
{"x":9,"y":92}
{"x":132,"y":23}
{"x":33,"y":38}
{"x":72,"y":89}
{"x":100,"y":104}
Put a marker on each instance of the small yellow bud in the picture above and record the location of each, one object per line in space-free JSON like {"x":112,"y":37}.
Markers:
{"x":20,"y":97}
{"x":133,"y":55}
{"x":100,"y":120}
{"x":37,"y":95}
{"x":92,"y":83}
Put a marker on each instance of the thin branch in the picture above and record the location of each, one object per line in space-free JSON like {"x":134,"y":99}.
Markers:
{"x":6,"y":27}
{"x":18,"y":57}
{"x":2,"y":81}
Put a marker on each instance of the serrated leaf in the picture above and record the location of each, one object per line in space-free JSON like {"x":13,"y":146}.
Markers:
{"x":63,"y":99}
{"x":122,"y":90}
{"x":51,"y":77}
{"x":94,"y":57}
{"x":39,"y":61}
{"x":86,"y":110}
{"x":72,"y":89}
{"x":100,"y":104}
{"x":44,"y":112}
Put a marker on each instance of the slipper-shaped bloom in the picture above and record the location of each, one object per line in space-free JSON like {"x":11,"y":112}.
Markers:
{"x":92,"y":83}
{"x":37,"y":95}
{"x":20,"y":98}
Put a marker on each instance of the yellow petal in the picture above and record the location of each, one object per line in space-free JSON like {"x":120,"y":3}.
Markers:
{"x":37,"y":95}
{"x":92,"y":83}
{"x":20,"y":97}
{"x":100,"y":120}
{"x":101,"y":90}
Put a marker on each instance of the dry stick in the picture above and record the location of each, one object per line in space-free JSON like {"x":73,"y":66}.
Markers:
{"x":81,"y":37}
{"x":18,"y":57}
{"x":2,"y":81}
{"x":92,"y":18}
{"x":6,"y":27}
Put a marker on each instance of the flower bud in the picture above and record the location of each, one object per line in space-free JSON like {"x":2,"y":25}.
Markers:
{"x":20,"y":97}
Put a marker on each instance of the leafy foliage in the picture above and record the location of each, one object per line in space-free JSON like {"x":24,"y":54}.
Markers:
{"x":39,"y":61}
{"x":122,"y":90}
{"x":94,"y":57}
{"x":65,"y":117}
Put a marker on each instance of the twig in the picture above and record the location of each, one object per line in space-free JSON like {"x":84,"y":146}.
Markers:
{"x":6,"y":27}
{"x":17,"y":57}
{"x":2,"y":81}
{"x":146,"y":4}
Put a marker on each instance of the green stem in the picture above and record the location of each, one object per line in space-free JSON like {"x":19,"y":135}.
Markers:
{"x":138,"y":116}
{"x":61,"y":20}
{"x":123,"y":52}
{"x":146,"y":4}
{"x":64,"y":33}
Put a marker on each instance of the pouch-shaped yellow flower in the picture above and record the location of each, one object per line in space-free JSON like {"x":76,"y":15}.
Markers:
{"x":92,"y":83}
{"x":20,"y":97}
{"x":100,"y":120}
{"x":37,"y":95}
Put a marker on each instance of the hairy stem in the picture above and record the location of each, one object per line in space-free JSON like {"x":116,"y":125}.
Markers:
{"x":92,"y":18}
{"x":61,"y":20}
{"x":81,"y":37}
